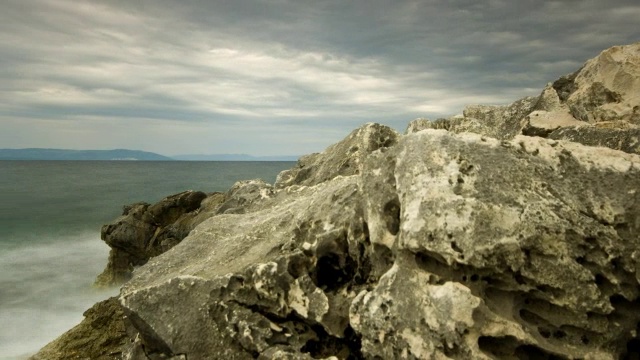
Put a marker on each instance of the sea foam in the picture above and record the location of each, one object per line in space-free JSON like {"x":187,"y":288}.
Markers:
{"x":45,"y":288}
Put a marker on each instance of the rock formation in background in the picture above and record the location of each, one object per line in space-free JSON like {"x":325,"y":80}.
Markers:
{"x":597,"y":105}
{"x":495,"y":235}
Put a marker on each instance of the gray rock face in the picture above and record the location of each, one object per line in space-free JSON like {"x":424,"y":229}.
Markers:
{"x":416,"y":256}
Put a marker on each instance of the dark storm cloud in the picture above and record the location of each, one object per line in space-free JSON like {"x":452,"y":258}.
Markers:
{"x":276,"y":76}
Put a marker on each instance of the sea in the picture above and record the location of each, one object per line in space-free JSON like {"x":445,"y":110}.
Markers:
{"x":51,"y":213}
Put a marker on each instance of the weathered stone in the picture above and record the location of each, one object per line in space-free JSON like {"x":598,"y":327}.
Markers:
{"x":608,"y":86}
{"x":627,"y":140}
{"x":482,"y":274}
{"x":500,"y":122}
{"x":415,"y":257}
{"x":279,"y":278}
{"x":343,"y":158}
{"x":423,"y":123}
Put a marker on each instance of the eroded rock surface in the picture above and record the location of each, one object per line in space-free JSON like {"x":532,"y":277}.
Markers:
{"x":415,"y":257}
{"x":343,"y":158}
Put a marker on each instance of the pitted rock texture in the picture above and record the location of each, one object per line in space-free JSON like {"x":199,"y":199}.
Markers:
{"x":417,"y":257}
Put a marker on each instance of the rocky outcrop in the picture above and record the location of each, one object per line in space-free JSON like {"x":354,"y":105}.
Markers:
{"x":516,"y":242}
{"x":343,"y":158}
{"x":414,"y":257}
{"x":146,"y":230}
{"x":582,"y":107}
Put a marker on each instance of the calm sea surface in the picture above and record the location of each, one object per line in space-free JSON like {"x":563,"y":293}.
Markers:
{"x":50,"y":218}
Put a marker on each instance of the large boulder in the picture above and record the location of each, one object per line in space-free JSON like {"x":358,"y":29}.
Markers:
{"x":607,"y":88}
{"x":443,"y":246}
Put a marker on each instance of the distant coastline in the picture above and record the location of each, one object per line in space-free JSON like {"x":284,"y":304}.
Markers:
{"x":126,"y":155}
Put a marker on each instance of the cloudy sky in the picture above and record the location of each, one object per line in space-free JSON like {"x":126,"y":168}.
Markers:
{"x":276,"y":77}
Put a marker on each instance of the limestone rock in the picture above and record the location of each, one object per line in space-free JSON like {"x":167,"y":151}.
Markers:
{"x":543,"y":266}
{"x":343,"y":158}
{"x":627,"y":140}
{"x":414,"y":257}
{"x":604,"y":93}
{"x":608,"y":86}
{"x":500,"y":122}
{"x":424,"y":123}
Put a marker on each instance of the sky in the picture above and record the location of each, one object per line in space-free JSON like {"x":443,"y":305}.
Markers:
{"x":277,"y":77}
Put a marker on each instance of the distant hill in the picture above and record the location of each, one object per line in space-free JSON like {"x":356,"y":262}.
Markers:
{"x":63,"y":154}
{"x":234,"y":157}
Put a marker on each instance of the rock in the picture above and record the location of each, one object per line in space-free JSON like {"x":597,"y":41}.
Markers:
{"x":437,"y":244}
{"x":343,"y":158}
{"x":101,"y":335}
{"x":146,"y":230}
{"x":500,"y":122}
{"x":608,"y":86}
{"x":483,"y":274}
{"x":604,"y":93}
{"x":424,"y":123}
{"x":416,"y":256}
{"x":627,"y":140}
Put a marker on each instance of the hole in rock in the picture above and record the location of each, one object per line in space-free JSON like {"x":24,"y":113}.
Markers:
{"x":530,"y":352}
{"x":455,"y":246}
{"x":633,"y":350}
{"x":508,"y":347}
{"x":559,"y":334}
{"x":392,"y":216}
{"x":334,"y":267}
{"x":325,"y":345}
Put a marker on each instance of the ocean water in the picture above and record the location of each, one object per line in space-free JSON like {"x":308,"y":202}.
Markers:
{"x":50,"y":218}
